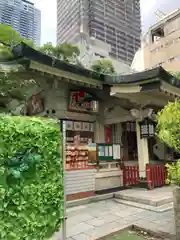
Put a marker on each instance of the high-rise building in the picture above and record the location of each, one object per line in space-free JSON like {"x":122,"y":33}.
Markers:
{"x":161,"y":45}
{"x":23,"y":16}
{"x":117,"y":23}
{"x":165,"y":6}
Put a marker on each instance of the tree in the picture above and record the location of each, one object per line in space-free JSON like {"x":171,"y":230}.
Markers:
{"x":11,"y":37}
{"x":168,"y":130}
{"x":103,"y":66}
{"x":65,"y":51}
{"x":48,"y":49}
{"x":169,"y":125}
{"x":5,"y":53}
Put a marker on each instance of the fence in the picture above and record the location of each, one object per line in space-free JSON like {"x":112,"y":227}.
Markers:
{"x":130,"y":175}
{"x":156,"y":176}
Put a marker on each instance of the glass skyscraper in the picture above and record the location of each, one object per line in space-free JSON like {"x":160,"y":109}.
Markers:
{"x":23,"y":16}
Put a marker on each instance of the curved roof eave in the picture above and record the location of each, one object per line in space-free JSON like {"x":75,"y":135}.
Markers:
{"x":23,"y":52}
{"x":157,"y":74}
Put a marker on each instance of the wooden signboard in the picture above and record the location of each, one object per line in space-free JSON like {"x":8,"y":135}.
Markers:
{"x":80,"y":101}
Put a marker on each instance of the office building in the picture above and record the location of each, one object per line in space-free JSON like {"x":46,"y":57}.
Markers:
{"x":117,"y":23}
{"x":160,"y":6}
{"x":161,"y":45}
{"x":23,"y":16}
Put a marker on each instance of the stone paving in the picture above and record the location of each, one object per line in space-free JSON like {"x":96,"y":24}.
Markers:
{"x":95,"y":220}
{"x":155,"y":197}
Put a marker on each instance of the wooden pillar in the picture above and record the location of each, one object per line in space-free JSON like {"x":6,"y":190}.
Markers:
{"x":99,"y":125}
{"x":143,"y":152}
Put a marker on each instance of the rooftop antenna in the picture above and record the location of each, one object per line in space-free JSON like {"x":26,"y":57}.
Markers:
{"x":159,"y":14}
{"x":84,"y":37}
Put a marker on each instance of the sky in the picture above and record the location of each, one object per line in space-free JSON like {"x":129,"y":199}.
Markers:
{"x":48,"y":17}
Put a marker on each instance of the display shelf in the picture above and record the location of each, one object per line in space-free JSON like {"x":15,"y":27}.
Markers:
{"x":76,"y":157}
{"x":85,"y":136}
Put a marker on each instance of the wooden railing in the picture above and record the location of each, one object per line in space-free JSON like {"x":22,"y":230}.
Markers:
{"x":156,"y":175}
{"x":130,"y":175}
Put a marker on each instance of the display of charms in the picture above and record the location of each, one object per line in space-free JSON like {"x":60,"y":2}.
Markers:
{"x":76,"y":157}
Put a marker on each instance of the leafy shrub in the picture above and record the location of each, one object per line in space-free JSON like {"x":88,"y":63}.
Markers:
{"x":31,"y":178}
{"x":173,"y":176}
{"x":168,"y":130}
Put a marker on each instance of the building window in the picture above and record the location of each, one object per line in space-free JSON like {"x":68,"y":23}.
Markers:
{"x":155,"y":49}
{"x":157,"y":34}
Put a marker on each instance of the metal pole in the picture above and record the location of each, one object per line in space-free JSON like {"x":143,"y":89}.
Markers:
{"x":63,"y":130}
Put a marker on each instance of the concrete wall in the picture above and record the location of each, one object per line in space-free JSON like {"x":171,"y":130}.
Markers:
{"x":80,"y":181}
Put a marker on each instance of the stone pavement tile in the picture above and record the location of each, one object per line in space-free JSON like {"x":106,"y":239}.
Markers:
{"x":71,"y":221}
{"x":132,"y":218}
{"x":99,"y":213}
{"x":123,"y":221}
{"x":168,"y":228}
{"x":126,"y":212}
{"x":76,"y":210}
{"x":149,"y":215}
{"x":81,"y":236}
{"x":104,"y":230}
{"x":78,"y":228}
{"x":144,"y":223}
{"x":96,"y":222}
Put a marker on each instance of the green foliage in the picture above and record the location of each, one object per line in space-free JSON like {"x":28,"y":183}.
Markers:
{"x":173,"y":176}
{"x":176,"y":74}
{"x":5,"y":53}
{"x":65,"y":51}
{"x":168,"y":127}
{"x":12,"y":86}
{"x":48,"y":49}
{"x":12,"y":37}
{"x":9,"y":35}
{"x":168,"y":130}
{"x":103,"y":66}
{"x":31,"y":178}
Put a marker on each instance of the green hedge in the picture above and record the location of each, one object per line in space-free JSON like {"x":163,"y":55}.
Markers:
{"x":31,"y":178}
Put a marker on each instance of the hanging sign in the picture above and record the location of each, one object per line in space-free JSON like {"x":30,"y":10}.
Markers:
{"x":81,"y":101}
